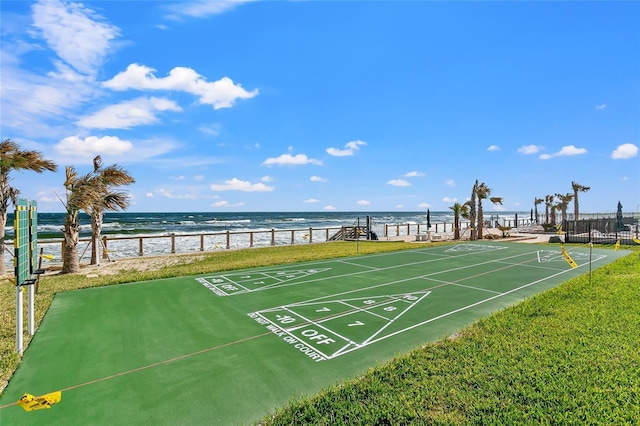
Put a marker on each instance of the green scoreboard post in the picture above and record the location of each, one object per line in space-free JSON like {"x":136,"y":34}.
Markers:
{"x":25,"y":256}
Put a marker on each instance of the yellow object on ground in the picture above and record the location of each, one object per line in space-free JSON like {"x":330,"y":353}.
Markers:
{"x":31,"y":403}
{"x":568,"y":258}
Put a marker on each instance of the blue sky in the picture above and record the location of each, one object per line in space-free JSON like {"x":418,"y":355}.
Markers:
{"x":327,"y":105}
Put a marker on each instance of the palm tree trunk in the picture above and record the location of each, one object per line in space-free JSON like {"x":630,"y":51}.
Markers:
{"x":3,"y":221}
{"x":70,"y":261}
{"x":546,"y":213}
{"x":96,"y":228}
{"x":480,"y":218}
{"x":456,"y":225}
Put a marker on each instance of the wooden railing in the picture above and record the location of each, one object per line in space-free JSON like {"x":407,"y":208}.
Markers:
{"x":122,"y":246}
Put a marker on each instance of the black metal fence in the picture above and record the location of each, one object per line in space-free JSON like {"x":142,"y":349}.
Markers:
{"x":601,"y":230}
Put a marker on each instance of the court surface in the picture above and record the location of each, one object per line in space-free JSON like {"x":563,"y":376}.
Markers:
{"x":228,"y":348}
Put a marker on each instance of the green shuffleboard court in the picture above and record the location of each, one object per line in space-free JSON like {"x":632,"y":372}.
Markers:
{"x":228,"y":348}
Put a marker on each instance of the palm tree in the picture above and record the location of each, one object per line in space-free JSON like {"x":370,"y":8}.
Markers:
{"x":81,"y":194}
{"x":13,"y":158}
{"x":548,"y":200}
{"x":563,"y":204}
{"x":537,"y":201}
{"x":93,"y":192}
{"x":458,"y":210}
{"x":577,"y":188}
{"x":110,"y":199}
{"x":483,"y":193}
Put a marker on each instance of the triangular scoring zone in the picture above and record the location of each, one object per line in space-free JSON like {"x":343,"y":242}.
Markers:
{"x":545,"y":256}
{"x":335,"y":327}
{"x":473,"y":247}
{"x":232,"y":284}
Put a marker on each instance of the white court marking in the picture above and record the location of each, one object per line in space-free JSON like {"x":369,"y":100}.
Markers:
{"x":231,"y":284}
{"x":476,"y":248}
{"x":545,"y":256}
{"x":315,"y":333}
{"x":330,"y":328}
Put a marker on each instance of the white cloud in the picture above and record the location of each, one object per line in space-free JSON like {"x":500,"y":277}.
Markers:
{"x":239,"y":185}
{"x":127,"y":114}
{"x":601,"y":107}
{"x":78,"y":35}
{"x":202,"y":8}
{"x":28,"y":99}
{"x":450,"y":183}
{"x":91,"y":146}
{"x":181,"y":196}
{"x":288,"y":159}
{"x":223,"y":203}
{"x":210,"y":129}
{"x":329,"y":207}
{"x":198,"y":178}
{"x":47,"y":197}
{"x":424,"y":205}
{"x":221,"y":93}
{"x":413,"y":174}
{"x":530,"y":149}
{"x":37,"y":102}
{"x":363,"y":202}
{"x":176,"y":177}
{"x":266,"y":179}
{"x":565,"y":151}
{"x":350,"y":149}
{"x":493,"y":148}
{"x":450,"y":200}
{"x":318,"y":179}
{"x":311,"y":200}
{"x":149,"y":194}
{"x":398,"y":182}
{"x":624,"y":151}
{"x":148,"y":148}
{"x":399,"y":206}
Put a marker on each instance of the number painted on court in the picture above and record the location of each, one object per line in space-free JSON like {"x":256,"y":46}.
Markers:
{"x":285,"y":319}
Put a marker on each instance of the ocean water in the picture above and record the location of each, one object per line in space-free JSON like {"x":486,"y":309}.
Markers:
{"x":126,"y":230}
